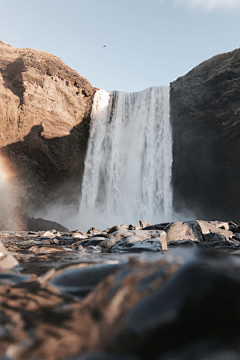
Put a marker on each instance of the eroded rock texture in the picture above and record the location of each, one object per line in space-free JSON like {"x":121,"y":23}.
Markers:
{"x":44,"y":118}
{"x":205,"y":115}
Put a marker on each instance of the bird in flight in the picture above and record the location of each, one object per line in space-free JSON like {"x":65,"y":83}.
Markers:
{"x":105,"y":45}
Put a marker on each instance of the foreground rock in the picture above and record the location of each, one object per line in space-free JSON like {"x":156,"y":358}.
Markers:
{"x":164,"y":308}
{"x":7,"y":261}
{"x":44,"y":117}
{"x":90,"y":296}
{"x":206,"y":128}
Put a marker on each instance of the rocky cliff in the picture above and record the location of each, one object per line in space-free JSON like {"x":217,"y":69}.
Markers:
{"x":205,"y":115}
{"x":44,"y":118}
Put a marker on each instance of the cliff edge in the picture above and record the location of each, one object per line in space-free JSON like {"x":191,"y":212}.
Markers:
{"x":44,"y":118}
{"x":205,"y":116}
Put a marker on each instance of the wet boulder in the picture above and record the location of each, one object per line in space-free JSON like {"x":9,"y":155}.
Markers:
{"x":216,"y":233}
{"x":215,"y":227}
{"x":135,"y":240}
{"x":178,"y":231}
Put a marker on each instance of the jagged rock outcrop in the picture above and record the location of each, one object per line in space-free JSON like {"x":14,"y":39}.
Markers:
{"x":205,"y":115}
{"x":44,"y":117}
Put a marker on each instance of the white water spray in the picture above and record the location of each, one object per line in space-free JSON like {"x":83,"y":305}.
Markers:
{"x":127,"y":174}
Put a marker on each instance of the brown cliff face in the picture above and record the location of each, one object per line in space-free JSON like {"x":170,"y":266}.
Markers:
{"x":44,"y":118}
{"x":205,"y":115}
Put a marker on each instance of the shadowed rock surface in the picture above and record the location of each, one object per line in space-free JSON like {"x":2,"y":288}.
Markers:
{"x":205,"y":116}
{"x":44,"y":117}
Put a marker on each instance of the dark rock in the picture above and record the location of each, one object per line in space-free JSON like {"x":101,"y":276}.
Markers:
{"x":138,"y":246}
{"x":236,"y":229}
{"x":95,"y":241}
{"x":215,"y":239}
{"x":236,"y":236}
{"x":131,"y":227}
{"x":82,"y":243}
{"x":192,"y":312}
{"x":156,"y":227}
{"x":80,"y":281}
{"x":93,"y":231}
{"x":12,"y":278}
{"x":41,"y":224}
{"x":231,"y":225}
{"x":206,"y":128}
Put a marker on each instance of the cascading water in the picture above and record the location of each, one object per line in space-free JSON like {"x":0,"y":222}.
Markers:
{"x":128,"y":164}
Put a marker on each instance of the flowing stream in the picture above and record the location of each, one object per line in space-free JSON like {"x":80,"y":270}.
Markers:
{"x":127,"y":174}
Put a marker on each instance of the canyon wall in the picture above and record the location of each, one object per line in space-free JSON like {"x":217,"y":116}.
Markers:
{"x":44,"y":119}
{"x":205,"y":116}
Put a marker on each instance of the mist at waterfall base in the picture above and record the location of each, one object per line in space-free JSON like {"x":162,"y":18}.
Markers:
{"x":127,"y":174}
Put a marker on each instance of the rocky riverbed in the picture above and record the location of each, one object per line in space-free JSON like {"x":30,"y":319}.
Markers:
{"x":165,"y":291}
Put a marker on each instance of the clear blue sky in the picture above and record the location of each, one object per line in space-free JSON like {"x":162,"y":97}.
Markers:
{"x":150,"y":42}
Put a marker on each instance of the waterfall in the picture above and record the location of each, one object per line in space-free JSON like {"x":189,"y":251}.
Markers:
{"x":127,"y":174}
